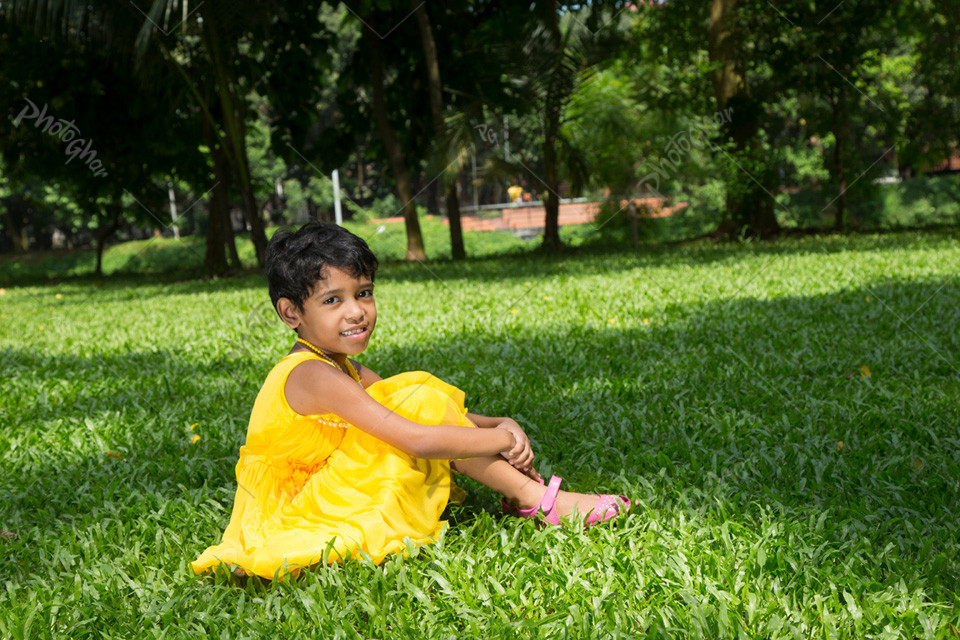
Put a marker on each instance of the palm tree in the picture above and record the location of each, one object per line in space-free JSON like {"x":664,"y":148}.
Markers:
{"x":545,"y":63}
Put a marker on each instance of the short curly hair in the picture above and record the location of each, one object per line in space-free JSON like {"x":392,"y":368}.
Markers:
{"x":295,"y":260}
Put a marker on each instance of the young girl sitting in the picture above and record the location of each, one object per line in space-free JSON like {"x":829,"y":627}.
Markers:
{"x":339,"y":461}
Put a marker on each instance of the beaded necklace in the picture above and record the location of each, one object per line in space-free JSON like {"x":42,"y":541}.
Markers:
{"x":349,"y":370}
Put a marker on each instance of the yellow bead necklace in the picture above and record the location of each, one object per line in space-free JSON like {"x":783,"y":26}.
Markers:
{"x":349,"y":370}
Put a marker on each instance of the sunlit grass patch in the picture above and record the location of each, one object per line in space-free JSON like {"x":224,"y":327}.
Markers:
{"x":785,"y":417}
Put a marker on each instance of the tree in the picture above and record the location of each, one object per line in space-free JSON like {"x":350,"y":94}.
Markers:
{"x":841,"y":83}
{"x":541,"y":53}
{"x":934,"y":124}
{"x":749,"y":209}
{"x":398,"y":166}
{"x":217,"y":54}
{"x":81,"y":119}
{"x":435,"y":88}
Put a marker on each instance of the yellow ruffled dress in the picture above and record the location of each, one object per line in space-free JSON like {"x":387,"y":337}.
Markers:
{"x":315,"y":489}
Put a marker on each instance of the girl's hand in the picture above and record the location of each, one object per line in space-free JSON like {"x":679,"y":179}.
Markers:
{"x":521,"y":455}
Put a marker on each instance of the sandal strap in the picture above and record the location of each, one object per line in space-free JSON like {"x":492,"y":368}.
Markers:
{"x":549,"y":501}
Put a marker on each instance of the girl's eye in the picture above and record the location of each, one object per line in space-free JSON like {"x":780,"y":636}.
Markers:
{"x":368,"y":293}
{"x":330,"y":300}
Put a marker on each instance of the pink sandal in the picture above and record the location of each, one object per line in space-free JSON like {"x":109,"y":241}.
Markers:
{"x":608,"y":508}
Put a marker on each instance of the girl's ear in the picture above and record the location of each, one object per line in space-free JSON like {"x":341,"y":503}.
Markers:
{"x":288,"y":312}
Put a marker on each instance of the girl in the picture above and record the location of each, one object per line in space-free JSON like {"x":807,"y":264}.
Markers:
{"x":339,"y":461}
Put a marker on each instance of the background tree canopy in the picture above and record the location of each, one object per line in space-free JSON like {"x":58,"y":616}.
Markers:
{"x":122,"y":121}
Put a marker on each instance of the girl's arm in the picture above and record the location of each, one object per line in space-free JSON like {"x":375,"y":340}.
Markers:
{"x":314,"y":387}
{"x":521,"y":456}
{"x":367,"y":375}
{"x":485,"y":422}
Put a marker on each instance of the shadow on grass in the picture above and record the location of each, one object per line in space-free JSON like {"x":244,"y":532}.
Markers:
{"x":799,"y":405}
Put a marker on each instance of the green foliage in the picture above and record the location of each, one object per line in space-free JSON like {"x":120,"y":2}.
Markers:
{"x":916,"y":202}
{"x":603,"y":121}
{"x":790,"y":442}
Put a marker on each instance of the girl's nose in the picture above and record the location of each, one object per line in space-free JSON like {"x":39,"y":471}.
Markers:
{"x":355,"y":311}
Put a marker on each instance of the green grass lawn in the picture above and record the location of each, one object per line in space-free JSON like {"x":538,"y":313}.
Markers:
{"x":785,"y":417}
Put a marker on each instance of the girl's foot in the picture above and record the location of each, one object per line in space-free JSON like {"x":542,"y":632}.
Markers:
{"x":534,"y":498}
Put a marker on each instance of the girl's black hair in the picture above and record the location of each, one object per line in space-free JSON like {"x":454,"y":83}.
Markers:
{"x":295,"y":259}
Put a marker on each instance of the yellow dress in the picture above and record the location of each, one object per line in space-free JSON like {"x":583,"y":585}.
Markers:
{"x":315,"y":489}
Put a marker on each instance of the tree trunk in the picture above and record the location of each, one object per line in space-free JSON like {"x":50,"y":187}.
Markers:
{"x":415,"y":250}
{"x":14,"y":223}
{"x":116,"y":206}
{"x":219,"y":232}
{"x":634,"y":222}
{"x":457,"y":249}
{"x":551,"y":198}
{"x":251,"y":211}
{"x":749,"y":205}
{"x":435,"y":86}
{"x":360,"y":177}
{"x":551,"y":169}
{"x":232,"y":241}
{"x":837,"y":119}
{"x":721,"y":45}
{"x":233,"y":112}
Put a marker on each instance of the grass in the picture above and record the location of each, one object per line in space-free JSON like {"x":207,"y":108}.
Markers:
{"x":784,"y":416}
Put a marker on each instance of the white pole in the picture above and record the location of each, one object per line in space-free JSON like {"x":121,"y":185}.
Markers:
{"x":506,"y":140}
{"x":476,"y":197}
{"x":337,"y":214}
{"x":173,"y":210}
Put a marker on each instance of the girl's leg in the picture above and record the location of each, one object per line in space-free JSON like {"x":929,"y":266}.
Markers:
{"x":516,"y":487}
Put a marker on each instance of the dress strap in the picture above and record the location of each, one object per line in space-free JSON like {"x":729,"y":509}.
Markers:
{"x":353,"y":372}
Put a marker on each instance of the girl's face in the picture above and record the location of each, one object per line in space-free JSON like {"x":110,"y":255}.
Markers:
{"x":339,"y":316}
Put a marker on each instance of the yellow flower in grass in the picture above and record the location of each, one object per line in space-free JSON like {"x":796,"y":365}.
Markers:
{"x":59,"y":296}
{"x":195,"y":439}
{"x":113,"y":454}
{"x":193,"y":426}
{"x":864,"y":371}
